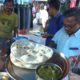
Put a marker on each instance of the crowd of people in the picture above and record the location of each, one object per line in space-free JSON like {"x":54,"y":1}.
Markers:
{"x":61,"y":30}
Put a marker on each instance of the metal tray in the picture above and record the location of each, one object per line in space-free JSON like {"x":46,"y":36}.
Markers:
{"x":17,"y":73}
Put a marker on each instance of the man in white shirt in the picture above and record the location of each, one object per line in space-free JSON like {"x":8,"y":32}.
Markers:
{"x":43,"y":15}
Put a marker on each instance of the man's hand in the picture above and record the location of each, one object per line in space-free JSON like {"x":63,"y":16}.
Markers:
{"x":52,"y":44}
{"x":45,"y":35}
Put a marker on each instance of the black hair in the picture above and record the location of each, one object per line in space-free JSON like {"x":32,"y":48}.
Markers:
{"x":54,"y":3}
{"x":42,"y":6}
{"x":75,"y":12}
{"x":77,"y":2}
{"x":9,"y":1}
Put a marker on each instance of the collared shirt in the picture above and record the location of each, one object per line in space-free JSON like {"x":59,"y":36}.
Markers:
{"x":69,"y":45}
{"x":53,"y":26}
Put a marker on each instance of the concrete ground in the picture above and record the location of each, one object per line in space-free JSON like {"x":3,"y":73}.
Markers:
{"x":74,"y":76}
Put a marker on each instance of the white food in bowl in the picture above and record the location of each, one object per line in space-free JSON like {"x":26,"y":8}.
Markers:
{"x":30,"y":52}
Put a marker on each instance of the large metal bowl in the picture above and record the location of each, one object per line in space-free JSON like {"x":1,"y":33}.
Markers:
{"x":60,"y":59}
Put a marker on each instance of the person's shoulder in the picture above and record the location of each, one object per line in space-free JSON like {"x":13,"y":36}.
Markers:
{"x":60,"y":15}
{"x":60,"y":32}
{"x":14,"y":13}
{"x":2,"y":12}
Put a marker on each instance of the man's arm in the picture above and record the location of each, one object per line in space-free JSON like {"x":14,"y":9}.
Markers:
{"x":15,"y":32}
{"x":46,"y":26}
{"x":16,"y":26}
{"x":47,"y":35}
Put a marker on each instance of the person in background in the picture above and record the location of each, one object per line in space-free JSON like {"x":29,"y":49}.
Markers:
{"x":72,"y":4}
{"x":62,"y":5}
{"x":8,"y":27}
{"x":67,"y":39}
{"x":55,"y":21}
{"x":34,"y":10}
{"x":43,"y":15}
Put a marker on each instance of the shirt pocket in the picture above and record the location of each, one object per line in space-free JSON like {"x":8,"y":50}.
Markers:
{"x":75,"y":50}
